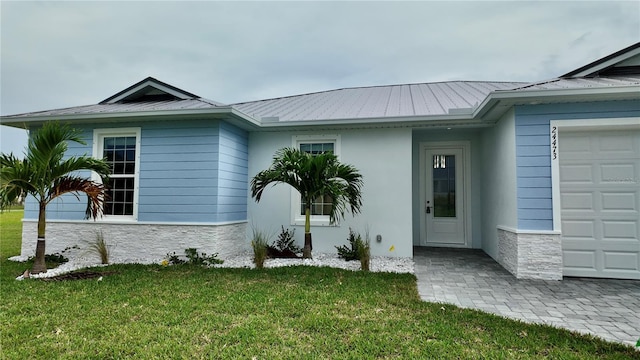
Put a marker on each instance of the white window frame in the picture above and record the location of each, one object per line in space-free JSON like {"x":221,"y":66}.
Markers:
{"x":98,"y":144}
{"x":296,"y":217}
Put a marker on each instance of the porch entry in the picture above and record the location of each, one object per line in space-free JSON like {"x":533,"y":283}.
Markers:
{"x":444,"y":187}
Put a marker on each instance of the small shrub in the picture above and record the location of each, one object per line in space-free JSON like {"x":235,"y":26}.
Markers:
{"x":259,"y":243}
{"x":286,"y":242}
{"x":201,"y":259}
{"x":100,"y":248}
{"x":351,"y":252}
{"x":364,"y":253}
{"x":56,"y":259}
{"x":358,"y":249}
{"x":284,"y":246}
{"x":174,"y":259}
{"x":193,"y":258}
{"x":52,"y":260}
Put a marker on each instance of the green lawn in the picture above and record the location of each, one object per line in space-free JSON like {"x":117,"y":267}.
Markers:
{"x":299,"y":312}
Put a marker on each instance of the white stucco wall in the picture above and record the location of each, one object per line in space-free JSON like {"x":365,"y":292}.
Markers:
{"x":383,"y":157}
{"x":499,"y":199}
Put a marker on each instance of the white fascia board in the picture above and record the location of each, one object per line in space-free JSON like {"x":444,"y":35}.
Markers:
{"x":391,"y":121}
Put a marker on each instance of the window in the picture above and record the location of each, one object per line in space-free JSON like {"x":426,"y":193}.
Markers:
{"x":321,"y":207}
{"x":444,"y":186}
{"x":120,"y":148}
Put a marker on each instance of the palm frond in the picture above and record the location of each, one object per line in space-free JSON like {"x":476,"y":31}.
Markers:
{"x":285,"y":169}
{"x":313,"y":176}
{"x":15,"y":180}
{"x":75,"y":185}
{"x":79,"y":163}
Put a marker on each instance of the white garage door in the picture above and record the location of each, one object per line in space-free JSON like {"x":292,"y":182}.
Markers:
{"x":600,"y":202}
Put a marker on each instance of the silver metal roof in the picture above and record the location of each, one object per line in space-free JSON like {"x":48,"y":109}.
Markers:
{"x":581,"y":83}
{"x":378,"y":102}
{"x":425,"y":99}
{"x":189,"y":104}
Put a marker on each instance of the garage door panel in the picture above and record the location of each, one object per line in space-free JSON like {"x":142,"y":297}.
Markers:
{"x":585,"y":260}
{"x":583,"y":229}
{"x":575,"y":146}
{"x":621,"y":261}
{"x":600,"y":203}
{"x":577,"y":174}
{"x":613,"y":230}
{"x":617,"y":173}
{"x":615,"y":143}
{"x":578,"y":201}
{"x":619,"y":201}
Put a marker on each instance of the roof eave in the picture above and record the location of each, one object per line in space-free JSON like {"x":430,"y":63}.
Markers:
{"x":227,"y":113}
{"x":444,"y":120}
{"x":498,"y":102}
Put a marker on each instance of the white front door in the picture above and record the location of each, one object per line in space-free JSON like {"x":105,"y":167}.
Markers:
{"x":444,"y":208}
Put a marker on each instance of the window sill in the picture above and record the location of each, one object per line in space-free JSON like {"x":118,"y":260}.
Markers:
{"x":117,"y":219}
{"x":314,"y":222}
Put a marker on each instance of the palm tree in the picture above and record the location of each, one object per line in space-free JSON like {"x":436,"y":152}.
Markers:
{"x":313,"y":176}
{"x":44,"y":175}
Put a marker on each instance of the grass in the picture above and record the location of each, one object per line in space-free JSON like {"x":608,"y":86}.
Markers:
{"x":297,"y":313}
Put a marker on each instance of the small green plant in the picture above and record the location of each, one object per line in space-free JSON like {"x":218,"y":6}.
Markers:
{"x":351,"y":252}
{"x":201,"y":259}
{"x":193,"y":258}
{"x":364,"y":253}
{"x":284,"y":246}
{"x":286,"y":242}
{"x":259,"y":243}
{"x":358,"y":249}
{"x":52,"y":260}
{"x":56,"y":259}
{"x":174,"y":259}
{"x":100,"y":248}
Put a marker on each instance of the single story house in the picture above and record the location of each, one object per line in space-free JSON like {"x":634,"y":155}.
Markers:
{"x":544,"y":177}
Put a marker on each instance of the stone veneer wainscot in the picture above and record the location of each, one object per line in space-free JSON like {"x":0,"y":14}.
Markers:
{"x":137,"y":241}
{"x":530,"y":254}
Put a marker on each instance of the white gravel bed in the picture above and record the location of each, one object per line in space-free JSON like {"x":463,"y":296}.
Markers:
{"x":377,"y":263}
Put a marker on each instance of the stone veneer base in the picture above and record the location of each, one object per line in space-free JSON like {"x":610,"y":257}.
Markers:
{"x":530,"y":254}
{"x":130,"y":242}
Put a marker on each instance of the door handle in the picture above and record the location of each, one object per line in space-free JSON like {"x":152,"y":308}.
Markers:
{"x":428,"y":209}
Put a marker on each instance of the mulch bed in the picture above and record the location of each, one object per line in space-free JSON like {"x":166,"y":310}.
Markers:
{"x":79,"y":275}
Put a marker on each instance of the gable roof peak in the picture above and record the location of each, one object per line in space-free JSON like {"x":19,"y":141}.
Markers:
{"x":614,"y":64}
{"x":149,"y":89}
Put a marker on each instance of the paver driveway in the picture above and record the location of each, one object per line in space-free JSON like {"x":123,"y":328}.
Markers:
{"x":471,"y":279}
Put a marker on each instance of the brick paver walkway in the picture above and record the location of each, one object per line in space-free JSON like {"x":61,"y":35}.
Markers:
{"x":471,"y":279}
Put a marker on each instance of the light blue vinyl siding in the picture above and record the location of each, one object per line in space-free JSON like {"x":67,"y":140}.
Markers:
{"x":233,"y":173}
{"x":190,"y":171}
{"x":533,"y":153}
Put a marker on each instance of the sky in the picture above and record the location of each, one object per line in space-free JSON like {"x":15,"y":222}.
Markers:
{"x":62,"y":54}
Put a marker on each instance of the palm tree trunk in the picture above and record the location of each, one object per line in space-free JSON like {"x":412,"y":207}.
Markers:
{"x":308,"y":246}
{"x":39,"y":265}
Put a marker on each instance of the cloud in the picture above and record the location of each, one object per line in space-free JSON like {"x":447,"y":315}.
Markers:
{"x":58,"y":54}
